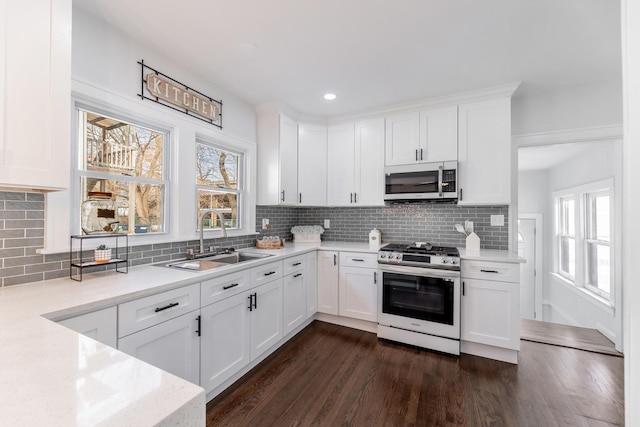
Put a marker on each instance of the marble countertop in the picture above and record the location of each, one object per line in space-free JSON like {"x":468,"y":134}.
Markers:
{"x":54,"y":376}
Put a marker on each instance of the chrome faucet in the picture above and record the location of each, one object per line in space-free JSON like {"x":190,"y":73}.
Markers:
{"x":203,"y":213}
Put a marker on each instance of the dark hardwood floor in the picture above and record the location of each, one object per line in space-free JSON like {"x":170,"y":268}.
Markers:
{"x":330,"y":375}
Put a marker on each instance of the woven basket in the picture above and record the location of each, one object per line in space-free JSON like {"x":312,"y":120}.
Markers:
{"x":269,"y":244}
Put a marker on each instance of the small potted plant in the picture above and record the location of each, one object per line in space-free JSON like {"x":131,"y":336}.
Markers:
{"x":102,"y":254}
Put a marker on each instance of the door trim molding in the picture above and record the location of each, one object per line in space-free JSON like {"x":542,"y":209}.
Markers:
{"x":539,"y":227}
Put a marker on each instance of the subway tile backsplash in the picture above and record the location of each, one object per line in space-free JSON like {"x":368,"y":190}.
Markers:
{"x":22,"y":232}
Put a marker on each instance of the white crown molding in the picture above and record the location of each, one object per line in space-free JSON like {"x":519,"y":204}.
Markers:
{"x":276,"y":107}
{"x":506,"y":90}
{"x":598,"y":133}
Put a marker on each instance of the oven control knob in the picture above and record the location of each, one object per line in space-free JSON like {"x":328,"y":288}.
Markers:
{"x":453,"y":261}
{"x":398,"y":256}
{"x":444,"y":260}
{"x":383,"y":255}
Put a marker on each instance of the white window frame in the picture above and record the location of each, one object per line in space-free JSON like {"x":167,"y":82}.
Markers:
{"x":580,"y":194}
{"x":588,"y":240}
{"x":240,"y":191}
{"x":560,"y":220}
{"x":78,"y":172}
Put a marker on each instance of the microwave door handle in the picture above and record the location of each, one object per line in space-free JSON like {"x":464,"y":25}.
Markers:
{"x":440,"y":194}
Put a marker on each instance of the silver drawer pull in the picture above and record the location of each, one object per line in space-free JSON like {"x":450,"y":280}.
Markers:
{"x":233,"y":285}
{"x":488,"y":271}
{"x":166,"y":307}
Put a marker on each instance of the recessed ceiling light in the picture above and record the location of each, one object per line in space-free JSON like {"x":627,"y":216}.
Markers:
{"x":329,"y":96}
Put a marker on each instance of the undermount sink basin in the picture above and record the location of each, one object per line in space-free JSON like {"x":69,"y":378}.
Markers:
{"x":214,"y":261}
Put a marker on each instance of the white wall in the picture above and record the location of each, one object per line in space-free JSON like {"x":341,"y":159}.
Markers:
{"x":568,"y":304}
{"x":106,"y":75}
{"x":594,"y":105}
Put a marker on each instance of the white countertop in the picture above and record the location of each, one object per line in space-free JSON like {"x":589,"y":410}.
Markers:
{"x":491,"y":255}
{"x":52,"y":375}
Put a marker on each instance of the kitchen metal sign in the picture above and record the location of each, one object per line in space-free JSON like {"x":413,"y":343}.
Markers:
{"x":164,"y":90}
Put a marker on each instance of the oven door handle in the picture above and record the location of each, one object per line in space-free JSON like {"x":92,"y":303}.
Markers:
{"x":420,"y":271}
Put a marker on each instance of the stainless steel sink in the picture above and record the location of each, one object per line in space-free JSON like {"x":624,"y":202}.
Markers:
{"x":214,"y":261}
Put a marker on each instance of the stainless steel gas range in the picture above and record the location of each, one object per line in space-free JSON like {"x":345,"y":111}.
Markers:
{"x":419,"y":300}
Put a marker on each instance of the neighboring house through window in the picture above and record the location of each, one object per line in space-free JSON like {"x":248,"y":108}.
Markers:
{"x":123,"y":165}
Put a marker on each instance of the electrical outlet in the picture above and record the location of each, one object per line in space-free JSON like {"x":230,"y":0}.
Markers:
{"x":265,"y":223}
{"x":327,"y":223}
{"x":497,"y":220}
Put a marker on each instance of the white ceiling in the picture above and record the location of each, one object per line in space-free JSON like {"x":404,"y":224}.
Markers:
{"x":374,"y":53}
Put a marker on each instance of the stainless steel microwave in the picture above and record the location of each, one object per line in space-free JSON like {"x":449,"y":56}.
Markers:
{"x":427,"y":181}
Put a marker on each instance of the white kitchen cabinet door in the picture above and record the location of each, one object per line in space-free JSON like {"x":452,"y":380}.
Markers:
{"x":490,"y":313}
{"x":402,"y":143}
{"x":266,"y":317}
{"x":312,"y":165}
{"x":369,"y":162}
{"x":288,"y":161}
{"x":295,"y":301}
{"x":358,"y":293}
{"x":340,"y":169}
{"x":439,"y":135}
{"x":101,"y":325}
{"x":328,"y":282}
{"x":173,"y":346}
{"x":225,"y":345}
{"x":484,"y":152}
{"x":311,"y":282}
{"x":35,"y":94}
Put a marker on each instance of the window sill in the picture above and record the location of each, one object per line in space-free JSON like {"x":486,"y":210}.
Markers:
{"x":595,"y":299}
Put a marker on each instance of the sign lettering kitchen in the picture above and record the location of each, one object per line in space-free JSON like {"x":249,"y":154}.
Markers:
{"x":183,"y":98}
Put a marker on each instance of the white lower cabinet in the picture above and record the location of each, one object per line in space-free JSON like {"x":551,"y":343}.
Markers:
{"x":328,"y":282}
{"x":295,"y":301}
{"x":225,"y":346}
{"x":173,"y":346}
{"x":237,"y":330}
{"x":490,"y":307}
{"x":358,"y":293}
{"x":100,"y":325}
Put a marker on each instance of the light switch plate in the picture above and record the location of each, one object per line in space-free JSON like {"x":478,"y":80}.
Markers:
{"x":327,"y":223}
{"x":497,"y":220}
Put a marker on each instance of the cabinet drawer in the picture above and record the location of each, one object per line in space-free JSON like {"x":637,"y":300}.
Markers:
{"x":217,"y":289}
{"x":291,"y":265}
{"x":496,"y":271}
{"x":356,"y":259}
{"x":142,"y":313}
{"x":266,"y":273}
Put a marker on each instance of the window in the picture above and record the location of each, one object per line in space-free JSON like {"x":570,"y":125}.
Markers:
{"x":597,"y":242}
{"x":584,"y":228}
{"x":219,"y":184}
{"x":567,"y":237}
{"x":123,"y":166}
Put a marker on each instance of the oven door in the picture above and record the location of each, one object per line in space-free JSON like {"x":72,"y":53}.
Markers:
{"x":420,"y":299}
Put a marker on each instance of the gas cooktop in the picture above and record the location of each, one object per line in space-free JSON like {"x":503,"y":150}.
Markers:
{"x":420,"y":254}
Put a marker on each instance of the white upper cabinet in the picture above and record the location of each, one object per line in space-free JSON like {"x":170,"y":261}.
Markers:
{"x":484,"y":152}
{"x":35,"y":94}
{"x":422,"y":137}
{"x":402,"y":143}
{"x":340,"y":170}
{"x":355,"y":173}
{"x":277,"y":160}
{"x":312,"y":165}
{"x":439,"y":135}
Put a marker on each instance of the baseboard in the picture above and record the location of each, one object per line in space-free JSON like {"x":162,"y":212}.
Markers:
{"x":489,"y":351}
{"x":362,"y":325}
